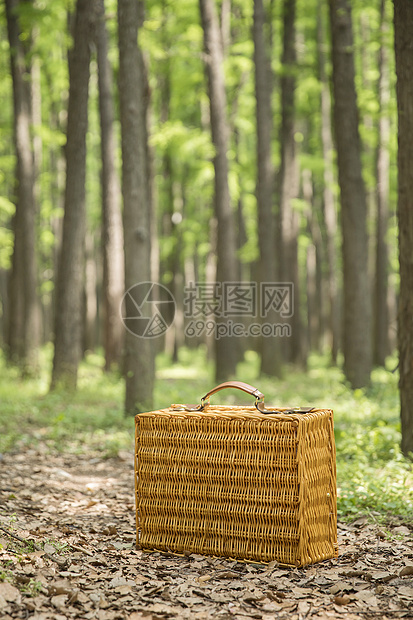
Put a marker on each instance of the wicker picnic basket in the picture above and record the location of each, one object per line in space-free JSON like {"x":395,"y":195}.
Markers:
{"x":242,"y":482}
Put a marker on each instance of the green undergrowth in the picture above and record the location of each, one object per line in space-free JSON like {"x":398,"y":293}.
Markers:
{"x":373,"y":477}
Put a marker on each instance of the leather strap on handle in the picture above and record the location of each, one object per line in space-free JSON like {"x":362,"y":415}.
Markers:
{"x":239,"y":385}
{"x":245,"y":387}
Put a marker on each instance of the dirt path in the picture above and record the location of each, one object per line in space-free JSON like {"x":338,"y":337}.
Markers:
{"x":67,"y":551}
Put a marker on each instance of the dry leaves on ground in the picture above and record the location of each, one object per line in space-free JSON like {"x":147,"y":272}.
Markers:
{"x":67,"y":550}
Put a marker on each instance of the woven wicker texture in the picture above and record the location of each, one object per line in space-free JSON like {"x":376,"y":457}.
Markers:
{"x":236,"y":483}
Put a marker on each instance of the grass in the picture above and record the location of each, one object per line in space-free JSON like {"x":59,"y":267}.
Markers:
{"x":373,"y":477}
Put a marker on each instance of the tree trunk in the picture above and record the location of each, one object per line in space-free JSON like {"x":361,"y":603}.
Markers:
{"x":24,"y":314}
{"x":90,"y":307}
{"x":270,"y":350}
{"x":315,"y":297}
{"x":226,"y":349}
{"x":289,"y":184}
{"x":170,"y":202}
{"x":139,"y":357}
{"x":226,"y":24}
{"x":113,"y":255}
{"x":403,"y":28}
{"x":330,"y":216}
{"x":70,"y":277}
{"x":357,"y":330}
{"x":381,"y":348}
{"x":4,"y":308}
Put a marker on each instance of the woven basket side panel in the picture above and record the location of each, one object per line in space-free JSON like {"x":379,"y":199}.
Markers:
{"x":218,"y":486}
{"x":318,"y":492}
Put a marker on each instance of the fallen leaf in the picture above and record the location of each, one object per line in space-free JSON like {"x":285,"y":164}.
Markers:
{"x":125,"y":589}
{"x":140,"y":579}
{"x":49,"y":549}
{"x":405,"y":592}
{"x":63,"y":474}
{"x":301,"y":592}
{"x":227,"y":574}
{"x":355,"y":573}
{"x":402,"y":530}
{"x":407,"y":570}
{"x":59,"y":601}
{"x":204,"y":578}
{"x":92,"y":487}
{"x":383,"y":576}
{"x":340,"y":586}
{"x":116,"y":582}
{"x":303,"y":607}
{"x":82,"y":598}
{"x":366,"y":596}
{"x":360,"y":522}
{"x":9,"y":592}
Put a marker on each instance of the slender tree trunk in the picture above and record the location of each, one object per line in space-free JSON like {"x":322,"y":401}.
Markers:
{"x":4,"y":308}
{"x":171,"y":202}
{"x":70,"y":278}
{"x":24,"y":314}
{"x":315,"y":297}
{"x":357,"y":329}
{"x":226,"y":348}
{"x":330,"y":216}
{"x":226,"y":24}
{"x":36,"y":105}
{"x":139,"y":356}
{"x":90,"y":295}
{"x":403,"y":29}
{"x":270,"y":350}
{"x":289,"y":183}
{"x":113,"y":255}
{"x":381,"y":315}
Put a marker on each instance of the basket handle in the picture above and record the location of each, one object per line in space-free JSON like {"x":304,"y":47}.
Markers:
{"x":249,"y":389}
{"x":239,"y":385}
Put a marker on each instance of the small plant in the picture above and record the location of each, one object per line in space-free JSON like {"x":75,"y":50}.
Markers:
{"x":32,"y":587}
{"x":6,"y":575}
{"x":61,"y":548}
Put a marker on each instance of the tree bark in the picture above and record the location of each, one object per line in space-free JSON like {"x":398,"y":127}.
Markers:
{"x":315,"y":297}
{"x":139,"y":356}
{"x":24,"y":314}
{"x":226,"y":349}
{"x":270,"y":350}
{"x":330,"y":215}
{"x":289,"y":184}
{"x":70,"y":278}
{"x":381,"y":348}
{"x":90,"y":303}
{"x":403,"y":28}
{"x":113,"y":255}
{"x":357,"y":329}
{"x":169,"y":200}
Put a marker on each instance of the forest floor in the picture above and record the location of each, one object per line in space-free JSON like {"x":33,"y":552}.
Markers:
{"x":67,"y":550}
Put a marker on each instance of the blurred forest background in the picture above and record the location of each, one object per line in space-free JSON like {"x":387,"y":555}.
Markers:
{"x":209,"y":141}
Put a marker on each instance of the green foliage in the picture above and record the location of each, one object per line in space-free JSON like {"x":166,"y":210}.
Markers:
{"x":6,"y":234}
{"x":6,"y":575}
{"x":32,"y":588}
{"x":93,"y":416}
